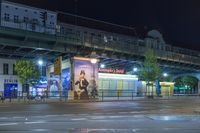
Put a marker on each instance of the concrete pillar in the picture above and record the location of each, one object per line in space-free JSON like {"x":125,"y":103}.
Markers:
{"x":199,"y":87}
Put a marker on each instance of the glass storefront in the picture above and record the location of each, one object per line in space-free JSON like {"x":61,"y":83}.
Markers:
{"x":117,"y":84}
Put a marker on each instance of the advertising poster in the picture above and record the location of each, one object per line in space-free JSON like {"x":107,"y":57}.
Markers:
{"x":85,"y":78}
{"x":54,"y":83}
{"x":65,"y":81}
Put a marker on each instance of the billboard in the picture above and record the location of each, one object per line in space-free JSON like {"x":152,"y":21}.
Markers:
{"x":85,"y":78}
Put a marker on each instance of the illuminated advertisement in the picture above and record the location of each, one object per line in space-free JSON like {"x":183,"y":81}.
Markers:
{"x":10,"y":90}
{"x":65,"y":81}
{"x":111,"y":70}
{"x":55,"y":80}
{"x":85,"y":78}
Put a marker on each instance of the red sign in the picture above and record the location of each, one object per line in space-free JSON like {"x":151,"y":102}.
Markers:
{"x":111,"y":70}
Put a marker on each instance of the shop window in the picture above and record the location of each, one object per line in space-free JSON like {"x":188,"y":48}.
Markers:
{"x":5,"y":68}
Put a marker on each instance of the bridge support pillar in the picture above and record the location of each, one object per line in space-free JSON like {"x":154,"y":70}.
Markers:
{"x":199,"y":87}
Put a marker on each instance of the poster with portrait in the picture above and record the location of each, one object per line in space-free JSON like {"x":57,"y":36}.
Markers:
{"x":55,"y":80}
{"x":85,"y":78}
{"x":65,"y":81}
{"x":54,"y":86}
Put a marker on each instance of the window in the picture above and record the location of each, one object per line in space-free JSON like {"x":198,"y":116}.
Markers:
{"x":51,"y":23}
{"x":16,"y":19}
{"x":25,"y":19}
{"x":14,"y":71}
{"x":16,"y":8}
{"x":5,"y":68}
{"x":26,"y":10}
{"x":6,"y":17}
{"x":7,"y":6}
{"x":35,"y":12}
{"x":35,"y":21}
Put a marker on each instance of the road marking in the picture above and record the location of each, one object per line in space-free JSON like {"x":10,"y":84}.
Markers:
{"x":123,"y":112}
{"x":18,"y":117}
{"x":8,"y":124}
{"x":34,"y":122}
{"x":78,"y":119}
{"x":3,"y":118}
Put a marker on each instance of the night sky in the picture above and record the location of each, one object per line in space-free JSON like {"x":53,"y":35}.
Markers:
{"x":177,"y":20}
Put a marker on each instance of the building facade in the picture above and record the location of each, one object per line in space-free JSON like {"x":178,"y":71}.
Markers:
{"x":24,"y":17}
{"x":9,"y":81}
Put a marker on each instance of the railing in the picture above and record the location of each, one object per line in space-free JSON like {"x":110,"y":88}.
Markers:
{"x":102,"y":95}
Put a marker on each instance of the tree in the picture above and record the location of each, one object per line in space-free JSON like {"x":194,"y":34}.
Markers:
{"x":188,"y":81}
{"x":27,"y":71}
{"x":150,"y":71}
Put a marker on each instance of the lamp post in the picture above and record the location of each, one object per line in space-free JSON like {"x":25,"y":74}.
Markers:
{"x":40,"y":63}
{"x":93,"y":61}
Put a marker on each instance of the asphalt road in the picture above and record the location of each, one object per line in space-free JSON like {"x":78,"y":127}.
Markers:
{"x":166,"y":116}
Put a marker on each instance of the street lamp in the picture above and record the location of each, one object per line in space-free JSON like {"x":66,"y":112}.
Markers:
{"x":40,"y":62}
{"x":93,"y":61}
{"x":102,"y":66}
{"x":165,"y":74}
{"x":135,"y":69}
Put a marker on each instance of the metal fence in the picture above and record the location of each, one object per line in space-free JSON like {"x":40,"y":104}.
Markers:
{"x":102,"y":95}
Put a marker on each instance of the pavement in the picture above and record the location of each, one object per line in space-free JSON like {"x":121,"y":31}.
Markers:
{"x":140,"y":116}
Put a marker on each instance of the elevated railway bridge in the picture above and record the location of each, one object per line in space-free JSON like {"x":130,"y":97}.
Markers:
{"x":17,"y":44}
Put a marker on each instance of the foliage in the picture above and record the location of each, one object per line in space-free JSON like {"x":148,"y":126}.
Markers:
{"x":186,"y":81}
{"x":150,"y":71}
{"x":169,"y":78}
{"x":27,"y":71}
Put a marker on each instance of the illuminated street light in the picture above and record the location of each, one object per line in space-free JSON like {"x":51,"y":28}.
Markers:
{"x":40,"y":62}
{"x":135,"y":69}
{"x":93,"y":61}
{"x":165,"y":74}
{"x":102,"y":66}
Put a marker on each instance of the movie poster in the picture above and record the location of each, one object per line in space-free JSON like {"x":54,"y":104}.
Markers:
{"x":85,"y":78}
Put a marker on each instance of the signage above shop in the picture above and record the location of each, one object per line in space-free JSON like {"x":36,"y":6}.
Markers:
{"x":111,"y":70}
{"x":6,"y":81}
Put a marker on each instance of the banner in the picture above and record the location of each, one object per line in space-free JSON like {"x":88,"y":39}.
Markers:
{"x":58,"y":66}
{"x":85,"y":78}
